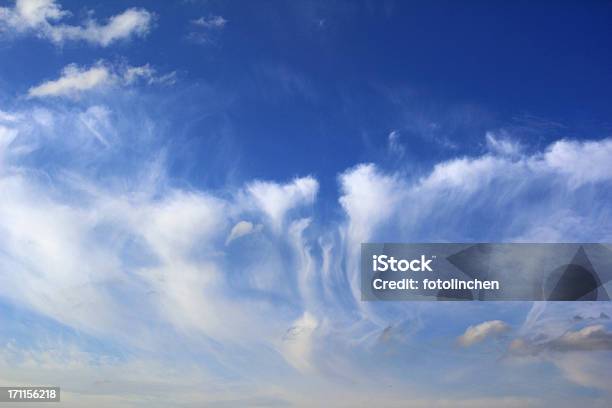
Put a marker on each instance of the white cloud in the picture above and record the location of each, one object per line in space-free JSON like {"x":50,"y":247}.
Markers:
{"x":76,"y":80}
{"x":31,"y":13}
{"x":394,"y":144}
{"x":480,"y":332}
{"x":204,"y":28}
{"x":241,"y":229}
{"x":43,"y":18}
{"x":297,"y":345}
{"x":276,"y":199}
{"x":73,"y":81}
{"x":163,"y":246}
{"x":65,"y":263}
{"x":144,"y":262}
{"x":466,"y":175}
{"x":580,"y":162}
{"x":369,"y":197}
{"x":450,"y":202}
{"x":148,"y":74}
{"x":214,"y":22}
{"x":502,"y":144}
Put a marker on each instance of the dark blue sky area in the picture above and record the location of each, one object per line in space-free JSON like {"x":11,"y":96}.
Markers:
{"x":291,"y":88}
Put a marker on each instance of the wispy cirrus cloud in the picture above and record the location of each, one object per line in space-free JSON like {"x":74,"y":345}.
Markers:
{"x":160,"y":267}
{"x":43,"y":18}
{"x":395,"y":145}
{"x":204,"y":28}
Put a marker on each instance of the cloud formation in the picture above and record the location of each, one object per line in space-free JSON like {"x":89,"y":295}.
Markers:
{"x":76,"y":80}
{"x":73,"y":81}
{"x":502,"y":143}
{"x":138,"y":259}
{"x":394,"y":144}
{"x":480,"y":332}
{"x":588,"y":338}
{"x":581,"y":353}
{"x":241,"y":229}
{"x":204,"y":28}
{"x":215,"y":22}
{"x":43,"y":18}
{"x":275,"y":200}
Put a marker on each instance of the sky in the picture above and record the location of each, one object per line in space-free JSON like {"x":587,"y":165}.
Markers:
{"x":185,"y":187}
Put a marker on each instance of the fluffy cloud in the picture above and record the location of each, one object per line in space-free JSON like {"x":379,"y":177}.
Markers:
{"x":459,"y":199}
{"x":410,"y":206}
{"x":581,"y":163}
{"x":241,"y":229}
{"x":480,"y":332}
{"x":275,"y":200}
{"x":369,"y":197}
{"x":76,"y":80}
{"x":73,"y":81}
{"x":43,"y":18}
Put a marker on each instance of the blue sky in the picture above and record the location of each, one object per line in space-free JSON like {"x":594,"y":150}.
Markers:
{"x":186,"y":184}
